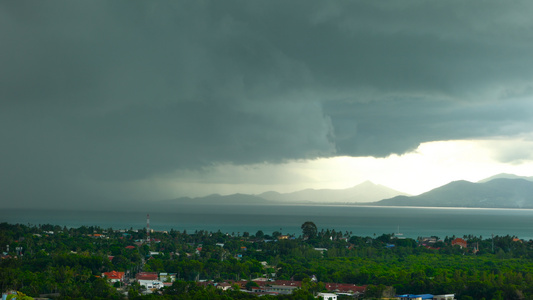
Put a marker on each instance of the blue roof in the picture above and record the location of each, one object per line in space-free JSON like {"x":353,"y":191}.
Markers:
{"x":411,"y":296}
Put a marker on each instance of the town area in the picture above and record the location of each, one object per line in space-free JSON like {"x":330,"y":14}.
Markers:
{"x":89,"y":262}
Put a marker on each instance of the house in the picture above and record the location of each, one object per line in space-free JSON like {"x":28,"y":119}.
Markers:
{"x":114,"y":276}
{"x":151,"y":284}
{"x":276,"y":287}
{"x":146,"y":276}
{"x":327,"y":296}
{"x":460,"y":242}
{"x":149,"y":280}
{"x":259,"y":289}
{"x":444,"y":297}
{"x":167,"y":277}
{"x":223,"y":286}
{"x":415,"y":297}
{"x":288,"y":283}
{"x":427,"y":240}
{"x":260,"y":279}
{"x":426,"y":296}
{"x":282,"y":289}
{"x":345,"y":288}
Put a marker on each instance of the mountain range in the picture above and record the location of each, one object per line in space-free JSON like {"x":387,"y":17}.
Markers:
{"x":499,"y":191}
{"x":495,"y":193}
{"x":361,"y":193}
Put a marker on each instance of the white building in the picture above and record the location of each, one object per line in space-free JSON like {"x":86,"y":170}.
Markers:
{"x":444,"y":297}
{"x":166,"y":277}
{"x":151,"y":284}
{"x":327,"y":296}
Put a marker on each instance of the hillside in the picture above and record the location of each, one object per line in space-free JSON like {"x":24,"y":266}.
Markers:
{"x":507,"y":176}
{"x":496,"y":193}
{"x":364,"y":192}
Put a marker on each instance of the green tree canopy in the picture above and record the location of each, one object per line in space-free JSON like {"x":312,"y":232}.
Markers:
{"x":309,"y":229}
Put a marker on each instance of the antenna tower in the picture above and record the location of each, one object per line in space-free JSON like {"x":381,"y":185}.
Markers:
{"x":148,"y":228}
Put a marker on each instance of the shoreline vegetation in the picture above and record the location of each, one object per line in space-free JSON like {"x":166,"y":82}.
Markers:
{"x":69,"y":263}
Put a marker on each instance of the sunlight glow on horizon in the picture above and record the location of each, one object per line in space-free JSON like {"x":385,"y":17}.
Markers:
{"x":431,"y":165}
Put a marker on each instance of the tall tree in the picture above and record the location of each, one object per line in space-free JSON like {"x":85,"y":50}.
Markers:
{"x":309,"y":229}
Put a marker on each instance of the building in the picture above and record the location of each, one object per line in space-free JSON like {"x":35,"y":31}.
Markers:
{"x":167,"y":277}
{"x":114,"y":276}
{"x":460,"y":242}
{"x":146,"y":276}
{"x":276,"y":287}
{"x":345,"y":289}
{"x":444,"y":297}
{"x":223,"y":286}
{"x":327,"y":296}
{"x":281,"y":289}
{"x":149,"y":280}
{"x":415,"y":297}
{"x":426,"y":296}
{"x":151,"y":284}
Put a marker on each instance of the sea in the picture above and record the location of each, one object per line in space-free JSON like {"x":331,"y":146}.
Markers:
{"x":410,"y":222}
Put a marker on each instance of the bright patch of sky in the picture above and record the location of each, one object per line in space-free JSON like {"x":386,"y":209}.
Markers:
{"x":431,"y":165}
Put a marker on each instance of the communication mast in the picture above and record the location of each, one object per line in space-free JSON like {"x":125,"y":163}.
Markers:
{"x":148,"y":229}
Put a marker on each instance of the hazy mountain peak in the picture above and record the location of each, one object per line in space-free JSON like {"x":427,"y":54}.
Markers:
{"x":506,"y":176}
{"x":367,"y":183}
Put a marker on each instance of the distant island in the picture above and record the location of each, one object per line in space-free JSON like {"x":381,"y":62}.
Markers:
{"x":496,"y":193}
{"x":499,"y":191}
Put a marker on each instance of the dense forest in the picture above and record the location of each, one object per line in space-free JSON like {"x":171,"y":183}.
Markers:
{"x":67,"y":263}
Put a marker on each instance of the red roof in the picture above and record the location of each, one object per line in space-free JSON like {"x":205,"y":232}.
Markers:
{"x":130,"y":247}
{"x":287,"y":283}
{"x":460,"y":242}
{"x":146,"y":276}
{"x":114,"y":275}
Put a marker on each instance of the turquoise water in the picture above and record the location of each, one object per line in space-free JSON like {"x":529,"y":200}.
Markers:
{"x":363,"y":221}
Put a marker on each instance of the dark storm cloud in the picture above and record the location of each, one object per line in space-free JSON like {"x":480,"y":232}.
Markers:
{"x":125,"y":90}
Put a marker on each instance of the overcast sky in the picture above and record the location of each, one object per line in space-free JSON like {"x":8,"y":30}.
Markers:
{"x":151,"y":100}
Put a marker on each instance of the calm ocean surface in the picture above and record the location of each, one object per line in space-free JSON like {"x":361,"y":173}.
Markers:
{"x":363,"y":221}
